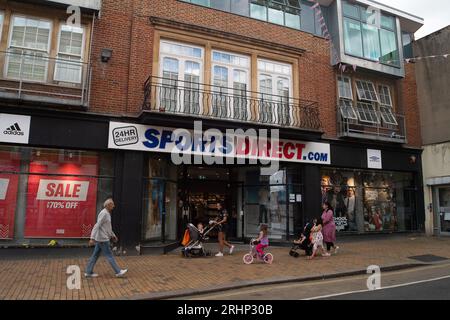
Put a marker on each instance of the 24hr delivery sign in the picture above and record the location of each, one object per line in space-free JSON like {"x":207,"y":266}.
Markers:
{"x":60,"y":207}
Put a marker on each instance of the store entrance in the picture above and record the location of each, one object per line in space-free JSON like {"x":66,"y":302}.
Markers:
{"x":202,"y":189}
{"x":444,"y":210}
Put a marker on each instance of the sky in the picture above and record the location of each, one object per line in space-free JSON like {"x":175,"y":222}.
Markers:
{"x":435,"y":12}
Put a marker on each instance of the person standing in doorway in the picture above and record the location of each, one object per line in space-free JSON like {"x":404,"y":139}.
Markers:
{"x":329,"y":227}
{"x":101,"y":235}
{"x":263,"y":204}
{"x":222,"y":222}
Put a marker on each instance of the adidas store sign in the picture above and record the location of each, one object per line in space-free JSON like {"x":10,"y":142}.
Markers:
{"x":14,"y":128}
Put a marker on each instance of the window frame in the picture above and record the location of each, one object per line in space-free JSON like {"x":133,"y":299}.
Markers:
{"x":275,"y":77}
{"x":362,"y":22}
{"x":387,"y":110}
{"x":181,"y":59}
{"x":350,"y":87}
{"x":46,"y":53}
{"x":231,"y":68}
{"x":82,"y":55}
{"x":374,"y":91}
{"x":371,"y":108}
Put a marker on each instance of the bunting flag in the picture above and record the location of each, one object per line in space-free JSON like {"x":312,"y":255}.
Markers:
{"x":413,"y":60}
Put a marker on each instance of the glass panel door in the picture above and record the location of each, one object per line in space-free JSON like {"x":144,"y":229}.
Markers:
{"x":444,"y":209}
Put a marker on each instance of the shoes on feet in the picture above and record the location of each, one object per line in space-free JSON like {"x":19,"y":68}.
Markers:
{"x":121,"y":273}
{"x":231,"y":249}
{"x":220,"y":254}
{"x":92,"y":275}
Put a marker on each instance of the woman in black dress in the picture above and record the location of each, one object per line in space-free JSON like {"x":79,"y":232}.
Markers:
{"x":222,"y":221}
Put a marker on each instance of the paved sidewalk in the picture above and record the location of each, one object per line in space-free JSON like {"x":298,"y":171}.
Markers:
{"x":153,"y":277}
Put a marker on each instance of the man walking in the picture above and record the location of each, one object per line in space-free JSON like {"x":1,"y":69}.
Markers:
{"x":100,"y":236}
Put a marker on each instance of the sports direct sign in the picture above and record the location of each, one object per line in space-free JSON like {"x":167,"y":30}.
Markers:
{"x":250,"y":144}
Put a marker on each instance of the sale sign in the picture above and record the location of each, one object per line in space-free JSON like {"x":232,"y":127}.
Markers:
{"x":61,"y":206}
{"x":9,"y":180}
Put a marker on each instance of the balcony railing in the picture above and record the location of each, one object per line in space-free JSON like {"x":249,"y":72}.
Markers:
{"x":235,"y":104}
{"x":31,"y":76}
{"x":380,"y":131}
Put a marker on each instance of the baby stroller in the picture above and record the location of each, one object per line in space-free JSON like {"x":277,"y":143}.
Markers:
{"x":306,"y":245}
{"x":194,"y":245}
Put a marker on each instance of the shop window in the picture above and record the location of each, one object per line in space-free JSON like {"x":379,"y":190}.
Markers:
{"x":160,"y":200}
{"x":9,"y":181}
{"x":59,"y":194}
{"x":28,"y":48}
{"x":70,"y":50}
{"x":365,"y":201}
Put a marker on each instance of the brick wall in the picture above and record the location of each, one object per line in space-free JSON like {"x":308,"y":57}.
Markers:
{"x":125,"y":27}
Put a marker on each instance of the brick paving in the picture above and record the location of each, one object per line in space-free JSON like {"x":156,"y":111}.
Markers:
{"x":156,"y":276}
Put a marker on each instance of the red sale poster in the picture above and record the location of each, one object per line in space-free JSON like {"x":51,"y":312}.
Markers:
{"x":61,"y":205}
{"x":9,"y":179}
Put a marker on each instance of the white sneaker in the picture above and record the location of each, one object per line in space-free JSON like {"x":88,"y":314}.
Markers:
{"x":92,"y":275}
{"x":121,"y":273}
{"x":231,"y":249}
{"x":336,"y":249}
{"x":220,"y":254}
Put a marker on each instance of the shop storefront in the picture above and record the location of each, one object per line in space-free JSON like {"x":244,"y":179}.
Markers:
{"x":54,"y":182}
{"x":51,"y":194}
{"x":378,"y":193}
{"x":370,"y":201}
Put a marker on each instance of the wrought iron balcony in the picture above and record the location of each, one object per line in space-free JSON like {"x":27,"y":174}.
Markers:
{"x":234,"y":104}
{"x":32,"y":76}
{"x":380,"y":129}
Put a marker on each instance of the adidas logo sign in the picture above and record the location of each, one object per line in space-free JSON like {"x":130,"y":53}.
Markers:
{"x":14,"y":130}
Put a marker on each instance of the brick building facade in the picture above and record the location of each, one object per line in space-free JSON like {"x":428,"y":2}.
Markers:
{"x":172,"y":62}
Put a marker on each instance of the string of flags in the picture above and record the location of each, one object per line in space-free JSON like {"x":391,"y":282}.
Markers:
{"x":413,"y":60}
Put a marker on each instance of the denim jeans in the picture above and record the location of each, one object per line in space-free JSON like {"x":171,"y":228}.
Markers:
{"x":99,"y":248}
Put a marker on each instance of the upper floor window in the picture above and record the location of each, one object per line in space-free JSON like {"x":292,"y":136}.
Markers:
{"x":297,"y":14}
{"x":28,"y":48}
{"x":370,"y":34}
{"x":231,"y":77}
{"x":386,"y":106}
{"x":374,"y":103}
{"x":275,"y":87}
{"x":70,"y":54}
{"x":181,"y":66}
{"x":346,"y":98}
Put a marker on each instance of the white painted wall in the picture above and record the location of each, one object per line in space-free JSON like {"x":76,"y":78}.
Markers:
{"x":436,"y":163}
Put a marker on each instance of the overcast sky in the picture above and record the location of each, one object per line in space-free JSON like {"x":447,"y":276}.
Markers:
{"x":435,"y":12}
